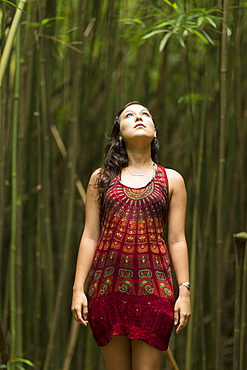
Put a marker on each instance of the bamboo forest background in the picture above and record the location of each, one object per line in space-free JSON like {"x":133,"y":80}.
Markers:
{"x":72,"y":66}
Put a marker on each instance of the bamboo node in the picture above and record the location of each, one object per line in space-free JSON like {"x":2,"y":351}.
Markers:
{"x":241,"y":236}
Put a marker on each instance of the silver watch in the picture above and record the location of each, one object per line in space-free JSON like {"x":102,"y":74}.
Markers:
{"x":187,"y":285}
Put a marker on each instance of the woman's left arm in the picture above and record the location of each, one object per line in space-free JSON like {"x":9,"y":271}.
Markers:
{"x":178,"y":247}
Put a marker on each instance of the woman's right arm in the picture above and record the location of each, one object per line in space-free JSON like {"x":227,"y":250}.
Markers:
{"x":87,"y":248}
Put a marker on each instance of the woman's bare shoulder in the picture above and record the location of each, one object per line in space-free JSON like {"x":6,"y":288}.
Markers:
{"x":174,"y":175}
{"x":175,"y":180}
{"x":94,"y":176}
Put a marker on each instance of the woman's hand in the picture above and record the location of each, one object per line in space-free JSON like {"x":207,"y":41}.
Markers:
{"x":182,"y":311}
{"x":79,"y":307}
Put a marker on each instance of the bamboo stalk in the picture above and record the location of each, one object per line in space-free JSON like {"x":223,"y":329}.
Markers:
{"x":3,"y":349}
{"x":26,"y":140}
{"x":243,"y":359}
{"x":240,"y":241}
{"x":218,"y":349}
{"x":38,"y":246}
{"x":238,"y":171}
{"x":46,"y":191}
{"x":89,"y":352}
{"x":3,"y":120}
{"x":14,"y":213}
{"x":74,"y":330}
{"x":194,"y":278}
{"x":19,"y":324}
{"x":112,"y":12}
{"x":10,"y":39}
{"x":171,"y":359}
{"x":72,"y":167}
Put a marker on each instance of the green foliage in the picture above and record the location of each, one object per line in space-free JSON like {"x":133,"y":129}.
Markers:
{"x":18,"y":362}
{"x":16,"y":6}
{"x":46,"y":21}
{"x":178,"y":23}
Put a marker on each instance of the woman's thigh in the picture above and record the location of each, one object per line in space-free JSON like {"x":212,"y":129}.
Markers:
{"x":117,"y":353}
{"x":144,"y":356}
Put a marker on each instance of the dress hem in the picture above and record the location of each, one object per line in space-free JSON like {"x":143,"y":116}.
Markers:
{"x":133,"y":332}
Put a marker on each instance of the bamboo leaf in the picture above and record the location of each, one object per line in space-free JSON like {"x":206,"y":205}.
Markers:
{"x":173,"y":5}
{"x":17,"y":7}
{"x":3,"y":366}
{"x":164,"y":41}
{"x":153,"y":33}
{"x":203,"y":38}
{"x":131,"y":20}
{"x":211,"y":22}
{"x":34,"y":24}
{"x":180,"y":39}
{"x":20,"y":367}
{"x":169,"y":3}
{"x":207,"y":36}
{"x":179,"y":20}
{"x":200,"y":21}
{"x":25,"y":361}
{"x":47,"y":20}
{"x":163,"y":24}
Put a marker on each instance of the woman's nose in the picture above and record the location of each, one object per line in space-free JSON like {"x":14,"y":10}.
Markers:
{"x":138,"y":117}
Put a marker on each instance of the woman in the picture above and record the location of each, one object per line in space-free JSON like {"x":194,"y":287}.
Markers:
{"x":131,"y":307}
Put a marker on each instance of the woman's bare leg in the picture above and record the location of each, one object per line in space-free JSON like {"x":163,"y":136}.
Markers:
{"x":144,"y":356}
{"x":117,"y":353}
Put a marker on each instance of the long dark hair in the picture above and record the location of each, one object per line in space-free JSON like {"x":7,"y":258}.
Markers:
{"x":116,"y":157}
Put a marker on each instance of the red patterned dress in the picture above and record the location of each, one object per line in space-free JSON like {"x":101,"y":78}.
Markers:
{"x":131,"y":291}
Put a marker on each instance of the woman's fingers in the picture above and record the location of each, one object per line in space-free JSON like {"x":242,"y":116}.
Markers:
{"x":183,"y":321}
{"x":176,"y":316}
{"x":85,"y":312}
{"x":182,"y":324}
{"x":181,"y":315}
{"x":78,"y":317}
{"x":79,"y":308}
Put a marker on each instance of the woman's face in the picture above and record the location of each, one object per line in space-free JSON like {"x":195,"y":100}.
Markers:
{"x":136,"y":123}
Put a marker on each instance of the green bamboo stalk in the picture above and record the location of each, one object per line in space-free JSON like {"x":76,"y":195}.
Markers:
{"x":160,"y":104}
{"x":196,"y":251}
{"x":191,"y":115}
{"x":240,"y":241}
{"x":19,"y":328}
{"x":72,"y":168}
{"x":218,"y":347}
{"x":74,"y":330}
{"x":112,"y":12}
{"x":46,"y":182}
{"x":3,"y":120}
{"x":89,"y":352}
{"x":3,"y":349}
{"x":193,"y":256}
{"x":171,"y":359}
{"x":10,"y":39}
{"x":14,"y":211}
{"x":238,"y":175}
{"x":243,"y":359}
{"x":27,"y":122}
{"x":39,"y":236}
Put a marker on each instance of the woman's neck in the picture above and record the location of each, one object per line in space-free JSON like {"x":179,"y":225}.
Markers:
{"x":139,"y":158}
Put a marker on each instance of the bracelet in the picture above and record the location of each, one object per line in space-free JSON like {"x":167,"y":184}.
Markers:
{"x":187,"y":285}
